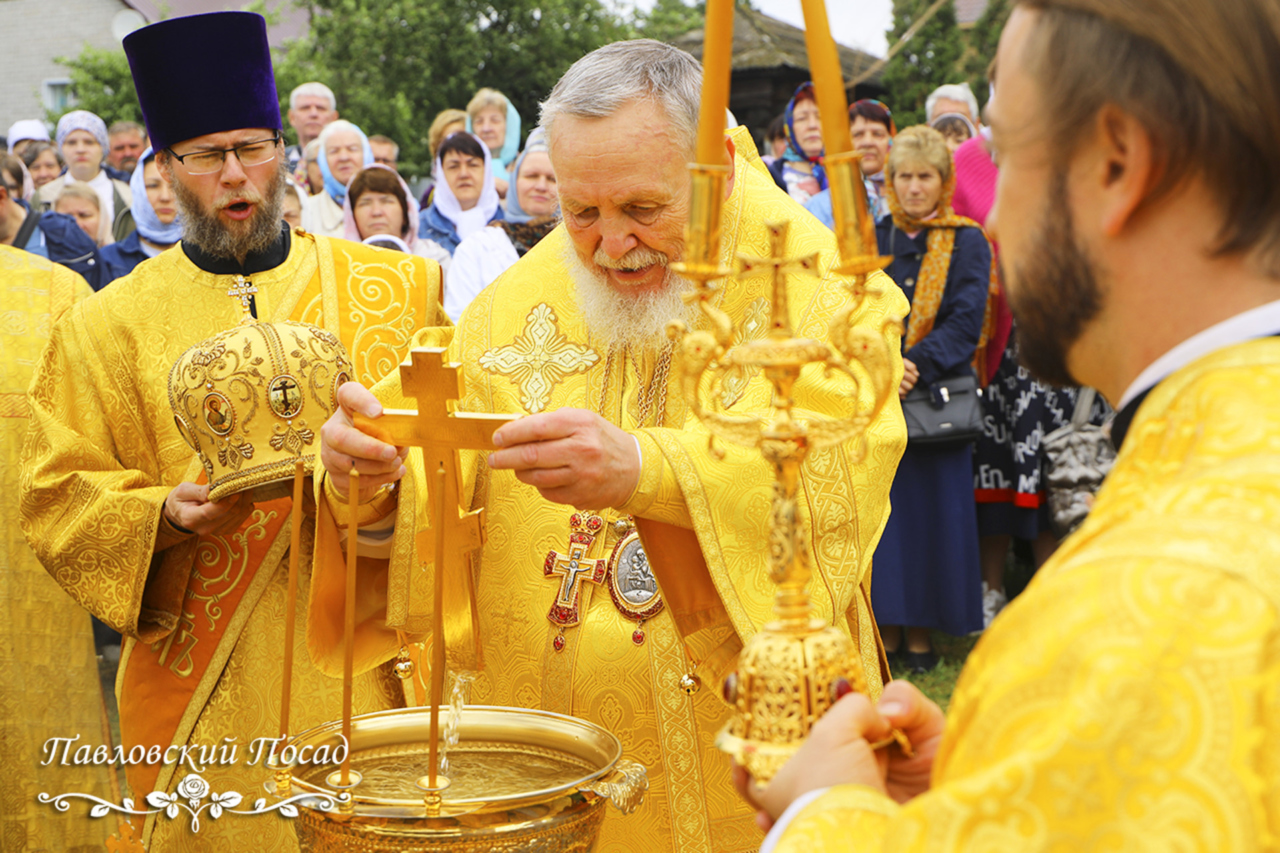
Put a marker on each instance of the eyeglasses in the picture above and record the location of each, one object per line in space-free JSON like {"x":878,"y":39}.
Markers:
{"x":249,"y":154}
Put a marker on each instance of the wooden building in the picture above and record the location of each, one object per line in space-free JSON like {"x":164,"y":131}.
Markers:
{"x":769,"y":62}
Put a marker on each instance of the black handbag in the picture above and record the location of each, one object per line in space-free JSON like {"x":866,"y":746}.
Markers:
{"x":945,"y":412}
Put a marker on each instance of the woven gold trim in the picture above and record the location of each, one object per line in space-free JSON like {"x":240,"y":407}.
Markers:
{"x":242,"y":481}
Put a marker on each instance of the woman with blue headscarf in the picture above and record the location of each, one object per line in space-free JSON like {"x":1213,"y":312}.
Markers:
{"x":344,"y":150}
{"x":799,"y":170}
{"x":155,"y":215}
{"x":532,"y":212}
{"x":491,"y":116}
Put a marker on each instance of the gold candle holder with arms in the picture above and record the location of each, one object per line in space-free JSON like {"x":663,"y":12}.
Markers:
{"x":788,"y":673}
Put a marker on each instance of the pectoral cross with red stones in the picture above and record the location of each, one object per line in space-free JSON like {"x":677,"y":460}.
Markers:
{"x":574,"y":569}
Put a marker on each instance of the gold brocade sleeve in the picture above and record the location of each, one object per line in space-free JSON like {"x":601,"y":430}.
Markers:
{"x":91,"y":520}
{"x":657,"y":495}
{"x":846,"y":817}
{"x":1131,"y":700}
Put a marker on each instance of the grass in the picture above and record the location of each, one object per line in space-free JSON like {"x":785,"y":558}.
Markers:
{"x":940,"y":681}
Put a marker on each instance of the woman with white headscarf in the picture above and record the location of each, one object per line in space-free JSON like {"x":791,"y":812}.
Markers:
{"x":465,"y":199}
{"x":82,"y":141}
{"x":532,"y":212}
{"x":155,"y":216}
{"x":380,"y":210}
{"x":344,"y":150}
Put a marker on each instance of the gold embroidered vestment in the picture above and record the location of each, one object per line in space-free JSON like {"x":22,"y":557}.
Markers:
{"x":525,"y":348}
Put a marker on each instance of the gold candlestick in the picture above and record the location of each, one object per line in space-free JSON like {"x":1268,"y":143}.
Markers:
{"x":788,"y":673}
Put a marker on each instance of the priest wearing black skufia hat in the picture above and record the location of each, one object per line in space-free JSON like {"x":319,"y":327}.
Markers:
{"x":114,"y":500}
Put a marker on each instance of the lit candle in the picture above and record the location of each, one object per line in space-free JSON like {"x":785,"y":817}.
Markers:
{"x":828,"y":78}
{"x":833,"y":109}
{"x":717,"y":48}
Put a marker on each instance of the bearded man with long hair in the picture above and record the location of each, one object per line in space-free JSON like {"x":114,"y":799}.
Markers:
{"x":135,"y":538}
{"x":1129,"y":699}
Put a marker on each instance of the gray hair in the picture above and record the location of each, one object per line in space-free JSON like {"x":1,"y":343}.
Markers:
{"x":313,"y":89}
{"x":604,"y":81}
{"x":952,"y":92}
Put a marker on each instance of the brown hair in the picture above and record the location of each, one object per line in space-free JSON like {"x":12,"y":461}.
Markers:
{"x":1202,"y":77}
{"x":379,"y":180}
{"x":12,"y":168}
{"x":921,"y":143}
{"x":80,"y":191}
{"x":436,"y":134}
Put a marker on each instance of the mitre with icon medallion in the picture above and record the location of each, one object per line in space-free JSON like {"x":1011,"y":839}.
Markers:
{"x":251,"y":400}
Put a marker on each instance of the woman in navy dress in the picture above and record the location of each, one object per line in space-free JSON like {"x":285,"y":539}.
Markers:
{"x":926,"y":572}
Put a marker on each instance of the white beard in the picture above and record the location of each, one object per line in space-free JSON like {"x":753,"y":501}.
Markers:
{"x":620,"y":320}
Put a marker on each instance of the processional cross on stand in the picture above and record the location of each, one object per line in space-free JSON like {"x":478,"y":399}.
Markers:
{"x":440,"y":431}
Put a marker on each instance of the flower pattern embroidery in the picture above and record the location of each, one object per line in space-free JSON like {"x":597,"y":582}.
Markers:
{"x":538,"y":359}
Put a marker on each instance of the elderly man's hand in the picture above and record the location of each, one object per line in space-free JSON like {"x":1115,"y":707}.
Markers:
{"x":572,"y":456}
{"x":342,"y":445}
{"x":838,"y":752}
{"x":188,"y":507}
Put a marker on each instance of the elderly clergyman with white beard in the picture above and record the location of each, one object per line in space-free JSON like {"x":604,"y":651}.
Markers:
{"x":573,"y":337}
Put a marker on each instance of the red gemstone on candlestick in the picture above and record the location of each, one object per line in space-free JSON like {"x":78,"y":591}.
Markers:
{"x":637,"y":636}
{"x":558,"y":642}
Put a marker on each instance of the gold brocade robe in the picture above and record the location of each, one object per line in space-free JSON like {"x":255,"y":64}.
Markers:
{"x":1130,"y":698}
{"x":49,"y":683}
{"x":104,"y":452}
{"x":525,"y":348}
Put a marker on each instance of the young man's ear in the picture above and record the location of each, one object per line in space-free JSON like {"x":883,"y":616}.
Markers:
{"x":1125,"y":170}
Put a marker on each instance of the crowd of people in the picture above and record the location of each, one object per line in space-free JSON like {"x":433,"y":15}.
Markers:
{"x":942,"y":561}
{"x":1125,"y":238}
{"x":104,"y":181}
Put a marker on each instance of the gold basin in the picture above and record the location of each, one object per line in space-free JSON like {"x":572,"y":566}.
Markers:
{"x":520,"y":780}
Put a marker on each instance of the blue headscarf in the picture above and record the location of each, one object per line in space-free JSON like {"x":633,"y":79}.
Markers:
{"x":144,"y":215}
{"x":794,"y":153}
{"x":537,"y":141}
{"x":335,"y":188}
{"x":499,"y":161}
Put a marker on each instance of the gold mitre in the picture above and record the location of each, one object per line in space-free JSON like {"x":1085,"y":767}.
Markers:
{"x":251,"y":401}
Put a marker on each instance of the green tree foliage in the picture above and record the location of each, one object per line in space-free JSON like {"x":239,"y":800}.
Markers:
{"x":394,"y":64}
{"x":102,"y":84}
{"x":983,"y":39}
{"x":929,"y":60}
{"x":669,"y":19}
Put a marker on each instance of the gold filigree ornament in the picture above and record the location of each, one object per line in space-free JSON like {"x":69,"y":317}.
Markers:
{"x":251,"y":400}
{"x":797,"y":666}
{"x":538,"y":359}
